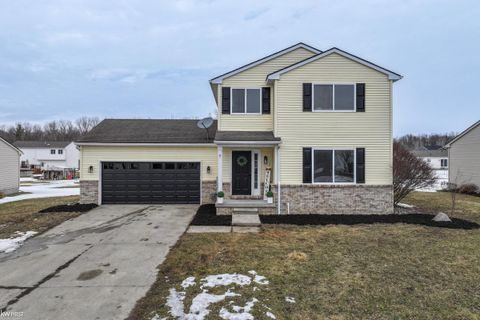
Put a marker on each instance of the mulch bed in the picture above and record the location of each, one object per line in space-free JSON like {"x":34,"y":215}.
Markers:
{"x":74,"y":207}
{"x":206,"y":216}
{"x":344,"y":219}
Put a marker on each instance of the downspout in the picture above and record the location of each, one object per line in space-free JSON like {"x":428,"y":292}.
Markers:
{"x":277,"y":158}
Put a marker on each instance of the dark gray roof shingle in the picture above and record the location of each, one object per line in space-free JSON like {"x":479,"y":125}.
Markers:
{"x":245,"y":136}
{"x":41,"y":144}
{"x":149,"y":131}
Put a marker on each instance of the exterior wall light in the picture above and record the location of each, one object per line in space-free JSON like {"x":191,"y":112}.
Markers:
{"x":208,"y":169}
{"x":90,"y":169}
{"x":265,"y":160}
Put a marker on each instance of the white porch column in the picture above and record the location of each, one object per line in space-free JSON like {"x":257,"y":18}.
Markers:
{"x":277,"y":175}
{"x":220,"y":168}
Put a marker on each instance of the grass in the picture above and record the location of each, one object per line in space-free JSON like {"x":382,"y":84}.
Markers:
{"x":23,"y":215}
{"x":339,"y":272}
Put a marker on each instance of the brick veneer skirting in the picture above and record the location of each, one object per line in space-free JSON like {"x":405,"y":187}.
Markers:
{"x":88,"y":191}
{"x":336,"y":199}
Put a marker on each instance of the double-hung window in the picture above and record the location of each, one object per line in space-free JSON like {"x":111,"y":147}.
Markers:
{"x":333,"y":166}
{"x":333,"y":97}
{"x":52,"y":151}
{"x":443,"y":162}
{"x":60,"y":151}
{"x":246,"y":101}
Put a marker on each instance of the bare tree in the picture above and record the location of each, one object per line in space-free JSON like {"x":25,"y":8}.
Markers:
{"x":409,"y":173}
{"x":85,"y":124}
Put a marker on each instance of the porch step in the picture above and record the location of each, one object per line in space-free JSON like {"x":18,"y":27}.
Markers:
{"x":245,"y":219}
{"x":245,"y":210}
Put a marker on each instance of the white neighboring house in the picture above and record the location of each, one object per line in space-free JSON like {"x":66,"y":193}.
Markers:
{"x":436,"y":158}
{"x":9,"y":168}
{"x":464,"y":156}
{"x":56,"y":159}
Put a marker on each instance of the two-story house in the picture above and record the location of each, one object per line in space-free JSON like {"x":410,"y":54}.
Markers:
{"x":55,"y":159}
{"x":312,"y":126}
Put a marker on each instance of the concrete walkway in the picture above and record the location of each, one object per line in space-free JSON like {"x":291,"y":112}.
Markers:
{"x":95,"y":266}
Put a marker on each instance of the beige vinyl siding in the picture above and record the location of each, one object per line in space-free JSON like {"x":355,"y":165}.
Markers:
{"x":255,"y":78}
{"x":9,"y":169}
{"x":92,"y":155}
{"x":464,"y":159}
{"x":371,"y":129}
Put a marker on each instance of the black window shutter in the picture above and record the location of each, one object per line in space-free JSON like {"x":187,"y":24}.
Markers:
{"x":225,"y":100}
{"x":266,"y":100}
{"x":307,"y":97}
{"x":360,"y":97}
{"x":360,"y":165}
{"x":307,"y":165}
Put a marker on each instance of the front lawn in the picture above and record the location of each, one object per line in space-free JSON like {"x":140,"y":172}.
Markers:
{"x":378,"y":271}
{"x":24,"y":215}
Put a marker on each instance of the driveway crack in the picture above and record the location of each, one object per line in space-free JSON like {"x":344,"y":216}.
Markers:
{"x":28,"y":290}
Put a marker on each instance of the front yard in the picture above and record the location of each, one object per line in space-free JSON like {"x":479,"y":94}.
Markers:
{"x":378,"y":271}
{"x":23,"y":216}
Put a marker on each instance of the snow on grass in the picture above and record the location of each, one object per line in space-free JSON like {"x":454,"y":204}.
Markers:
{"x":404,"y":205}
{"x":270,"y":315}
{"x":199,"y":308}
{"x":56,"y":188}
{"x":12,"y":244}
{"x":290,"y":299}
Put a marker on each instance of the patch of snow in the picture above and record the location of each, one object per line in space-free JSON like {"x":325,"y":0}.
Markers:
{"x":225,"y":279}
{"x":199,"y":308}
{"x":12,"y":244}
{"x":404,"y":205}
{"x":270,"y":315}
{"x":241,"y":313}
{"x":290,"y":299}
{"x":190,"y":281}
{"x":441,"y":180}
{"x":54,"y":188}
{"x":260,"y":280}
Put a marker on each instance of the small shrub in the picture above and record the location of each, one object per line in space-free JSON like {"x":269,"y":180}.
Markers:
{"x":468,"y":188}
{"x":2,"y":195}
{"x":220,"y":194}
{"x":270,"y":194}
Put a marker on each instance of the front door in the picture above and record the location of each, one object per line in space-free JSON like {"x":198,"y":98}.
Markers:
{"x":241,"y":172}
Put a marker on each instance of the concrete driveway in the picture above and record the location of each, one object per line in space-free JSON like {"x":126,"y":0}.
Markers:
{"x":95,"y":266}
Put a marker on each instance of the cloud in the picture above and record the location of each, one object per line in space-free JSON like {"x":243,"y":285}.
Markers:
{"x":68,"y":38}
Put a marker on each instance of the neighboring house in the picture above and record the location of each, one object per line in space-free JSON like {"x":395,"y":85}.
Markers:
{"x":437,"y":158}
{"x":315,"y":127}
{"x":55,"y":159}
{"x":464,"y":156}
{"x":9,"y":167}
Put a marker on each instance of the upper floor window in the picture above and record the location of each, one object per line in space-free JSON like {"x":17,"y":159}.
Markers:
{"x":333,"y":97}
{"x":444,"y":162}
{"x":60,"y":151}
{"x":52,"y":151}
{"x":246,"y":101}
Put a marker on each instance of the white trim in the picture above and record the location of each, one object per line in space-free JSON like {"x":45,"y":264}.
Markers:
{"x":241,"y":143}
{"x":256,"y":191}
{"x":220,"y":168}
{"x":464,"y":132}
{"x":219,"y":79}
{"x":333,"y":165}
{"x":245,"y":113}
{"x":391,"y":75}
{"x":277,"y":173}
{"x":141,"y":144}
{"x":333,"y":84}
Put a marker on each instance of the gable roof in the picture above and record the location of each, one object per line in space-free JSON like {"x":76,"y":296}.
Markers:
{"x":473,"y":126}
{"x":41,"y":144}
{"x":148,"y":131}
{"x":219,"y":79}
{"x":10,"y":145}
{"x":391,"y":75}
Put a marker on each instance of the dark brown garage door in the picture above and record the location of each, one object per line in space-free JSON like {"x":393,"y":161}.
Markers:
{"x":150,"y":182}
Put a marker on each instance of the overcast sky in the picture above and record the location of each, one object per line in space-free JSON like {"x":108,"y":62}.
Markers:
{"x":153,"y":59}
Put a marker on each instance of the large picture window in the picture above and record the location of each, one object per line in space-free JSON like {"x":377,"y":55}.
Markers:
{"x":333,"y":166}
{"x":246,"y":101}
{"x":333,"y":97}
